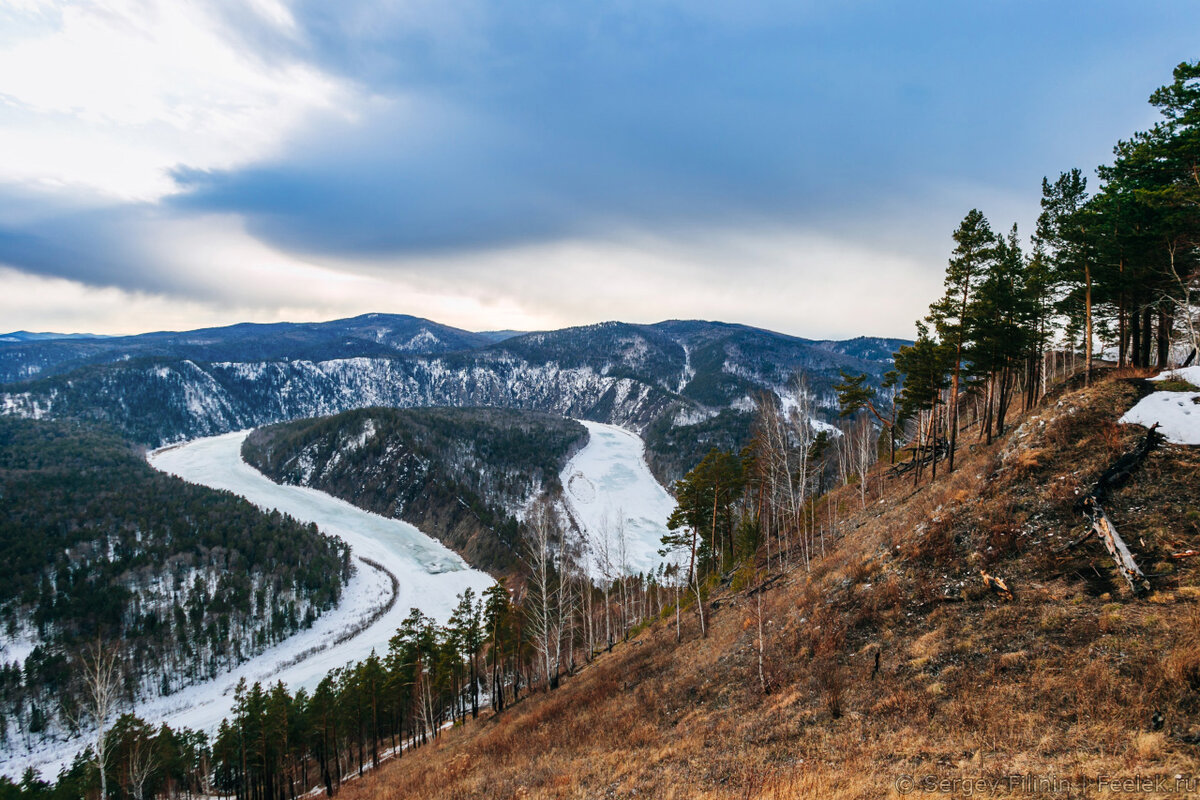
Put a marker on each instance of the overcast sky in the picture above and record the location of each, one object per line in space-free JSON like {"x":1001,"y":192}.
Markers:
{"x":797,"y":165}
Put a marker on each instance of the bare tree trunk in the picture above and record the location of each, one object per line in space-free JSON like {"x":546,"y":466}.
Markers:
{"x":141,"y":763}
{"x":678,"y":599}
{"x":102,"y":685}
{"x":1147,"y":321}
{"x":1087,"y":349}
{"x":540,"y":563}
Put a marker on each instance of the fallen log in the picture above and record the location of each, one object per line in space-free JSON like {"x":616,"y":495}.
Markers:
{"x":1090,"y":506}
{"x":1116,"y":547}
{"x":762,"y":587}
{"x":941,"y":452}
{"x":1123,"y":467}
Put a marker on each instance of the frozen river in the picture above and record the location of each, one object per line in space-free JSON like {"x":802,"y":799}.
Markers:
{"x":427,"y":576}
{"x":609,"y":492}
{"x":614,"y":498}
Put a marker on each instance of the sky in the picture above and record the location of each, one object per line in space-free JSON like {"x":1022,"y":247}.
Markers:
{"x":791,"y":164}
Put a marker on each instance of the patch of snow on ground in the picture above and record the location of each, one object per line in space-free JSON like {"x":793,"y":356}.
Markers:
{"x":608,"y":482}
{"x":1177,"y":414}
{"x":821,"y":425}
{"x":1189,"y":374}
{"x":430,"y":575}
{"x":16,"y":648}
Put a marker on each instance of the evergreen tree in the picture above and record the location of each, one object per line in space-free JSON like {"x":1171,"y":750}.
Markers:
{"x":975,"y":245}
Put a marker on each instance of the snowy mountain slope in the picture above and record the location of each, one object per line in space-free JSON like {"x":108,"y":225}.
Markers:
{"x":156,"y":402}
{"x":684,"y":385}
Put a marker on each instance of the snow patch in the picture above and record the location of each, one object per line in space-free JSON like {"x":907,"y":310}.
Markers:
{"x":744,"y":403}
{"x":1189,"y":374}
{"x":692,"y":415}
{"x":688,"y":371}
{"x":423,"y":340}
{"x":1177,"y":414}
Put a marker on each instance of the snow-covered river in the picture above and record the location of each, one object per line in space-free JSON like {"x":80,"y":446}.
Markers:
{"x":607,"y":481}
{"x":427,"y":574}
{"x":619,"y":505}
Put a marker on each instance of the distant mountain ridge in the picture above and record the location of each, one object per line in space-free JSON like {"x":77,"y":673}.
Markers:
{"x":42,"y":336}
{"x":365,"y":335}
{"x":685,"y":385}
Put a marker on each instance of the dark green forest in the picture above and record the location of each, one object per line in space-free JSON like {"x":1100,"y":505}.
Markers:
{"x":97,"y":545}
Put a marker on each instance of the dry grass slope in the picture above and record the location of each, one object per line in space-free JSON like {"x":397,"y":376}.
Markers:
{"x":1060,"y":684}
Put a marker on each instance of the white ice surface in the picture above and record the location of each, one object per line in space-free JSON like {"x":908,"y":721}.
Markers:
{"x":608,"y":481}
{"x":430,"y":576}
{"x":1177,"y":414}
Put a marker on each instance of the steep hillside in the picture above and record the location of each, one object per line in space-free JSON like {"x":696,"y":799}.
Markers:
{"x":462,"y":475}
{"x":685,"y":385}
{"x":889,"y":666}
{"x":95,"y":543}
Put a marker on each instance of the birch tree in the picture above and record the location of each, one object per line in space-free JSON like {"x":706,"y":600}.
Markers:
{"x":101,"y":674}
{"x":544,"y":587}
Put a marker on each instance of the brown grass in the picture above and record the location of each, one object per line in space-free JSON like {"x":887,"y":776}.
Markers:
{"x":1060,"y":683}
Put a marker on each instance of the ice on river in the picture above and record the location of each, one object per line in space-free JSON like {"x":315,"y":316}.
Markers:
{"x":429,"y":575}
{"x":608,"y":482}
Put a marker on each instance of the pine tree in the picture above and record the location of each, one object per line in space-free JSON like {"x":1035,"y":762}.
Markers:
{"x":925,"y":365}
{"x":1000,"y":323}
{"x":975,"y":245}
{"x":1066,"y":227}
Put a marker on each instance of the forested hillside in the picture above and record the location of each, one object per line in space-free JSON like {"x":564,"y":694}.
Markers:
{"x":462,"y":475}
{"x":96,"y":545}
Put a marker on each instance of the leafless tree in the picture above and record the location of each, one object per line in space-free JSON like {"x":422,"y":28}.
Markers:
{"x":101,"y":674}
{"x":623,"y":571}
{"x":544,"y":610}
{"x":762,"y":678}
{"x":141,"y":764}
{"x":801,"y":433}
{"x":858,"y":447}
{"x":604,"y":565}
